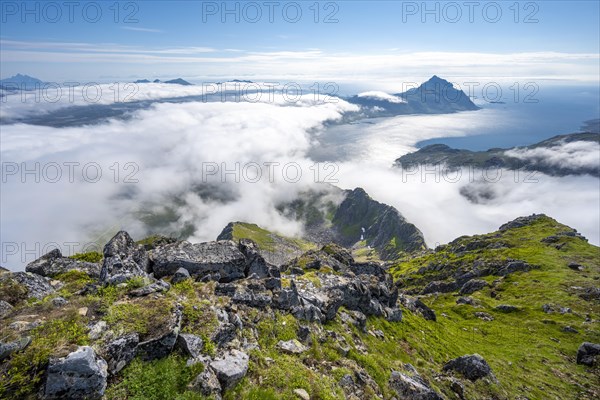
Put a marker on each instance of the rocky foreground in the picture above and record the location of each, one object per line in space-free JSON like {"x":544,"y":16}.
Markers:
{"x":512,"y":314}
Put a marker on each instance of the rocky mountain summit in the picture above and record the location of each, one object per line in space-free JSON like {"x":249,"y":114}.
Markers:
{"x":165,"y":318}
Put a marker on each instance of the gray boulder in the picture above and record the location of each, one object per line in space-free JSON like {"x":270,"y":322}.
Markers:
{"x":472,"y":286}
{"x":587,"y":353}
{"x":190,"y":345}
{"x":180,"y":275}
{"x":161,"y":346}
{"x":156,"y":287}
{"x":291,"y":346}
{"x":6,"y":349}
{"x":121,"y":352}
{"x":255,"y":263}
{"x":53,"y":263}
{"x":222,"y":258}
{"x":472,"y":367}
{"x":410,"y":385}
{"x":506,"y":308}
{"x":123,"y":260}
{"x":207,"y":384}
{"x":80,"y":375}
{"x":230,"y":368}
{"x":37,"y":286}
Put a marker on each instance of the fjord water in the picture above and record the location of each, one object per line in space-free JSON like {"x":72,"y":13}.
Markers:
{"x":558,"y":110}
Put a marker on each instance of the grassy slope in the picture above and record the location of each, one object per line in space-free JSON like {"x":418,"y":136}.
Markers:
{"x":527,"y":350}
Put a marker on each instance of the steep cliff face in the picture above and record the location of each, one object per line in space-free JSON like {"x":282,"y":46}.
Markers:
{"x":360,"y":218}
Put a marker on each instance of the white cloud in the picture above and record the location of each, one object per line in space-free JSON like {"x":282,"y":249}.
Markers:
{"x":578,"y":154}
{"x":382,"y":96}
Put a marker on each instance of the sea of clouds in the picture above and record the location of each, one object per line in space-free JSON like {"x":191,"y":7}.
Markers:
{"x":203,"y":164}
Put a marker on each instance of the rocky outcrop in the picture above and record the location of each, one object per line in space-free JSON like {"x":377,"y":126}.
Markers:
{"x":80,"y":375}
{"x":588,"y":353}
{"x":472,"y":286}
{"x":123,"y":260}
{"x":222,"y":260}
{"x":120,"y":352}
{"x":409,"y":385}
{"x":35,"y":286}
{"x":162,"y":344}
{"x":472,"y":367}
{"x":53,"y":263}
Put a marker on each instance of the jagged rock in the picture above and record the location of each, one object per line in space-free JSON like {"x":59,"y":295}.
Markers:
{"x":355,"y":318}
{"x":200,"y":259}
{"x":162,"y":346}
{"x":207,"y":384}
{"x":224,"y":334}
{"x":291,"y":346}
{"x":123,"y":260}
{"x":307,"y":311}
{"x":53,"y":263}
{"x":80,"y":375}
{"x":97,"y":329}
{"x":230,"y":368}
{"x":587,"y":353}
{"x":521,"y":221}
{"x":473,"y":286}
{"x":514,"y":266}
{"x":507,"y":308}
{"x":410,"y":385}
{"x":6,"y":349}
{"x":37,"y":286}
{"x":473,"y":367}
{"x":303,"y":333}
{"x":416,"y":305}
{"x":393,"y":314}
{"x":252,"y":299}
{"x":190,"y":345}
{"x":120,"y":352}
{"x":180,"y":275}
{"x":302,"y":394}
{"x":440,"y":287}
{"x":272,"y":283}
{"x":288,"y":298}
{"x":255,"y":263}
{"x":156,"y":287}
{"x":5,"y":308}
{"x":465,"y":300}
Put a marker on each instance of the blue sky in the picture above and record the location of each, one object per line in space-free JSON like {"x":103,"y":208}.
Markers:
{"x":370,"y":40}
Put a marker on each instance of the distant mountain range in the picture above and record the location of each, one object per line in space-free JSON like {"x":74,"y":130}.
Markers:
{"x":23,"y":82}
{"x":177,"y":81}
{"x":536,"y":157}
{"x":436,"y":96}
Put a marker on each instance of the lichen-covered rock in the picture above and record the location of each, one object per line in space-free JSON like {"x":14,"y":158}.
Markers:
{"x":6,"y":349}
{"x":207,"y":384}
{"x":155,"y":287}
{"x":80,"y":375}
{"x":409,"y":385}
{"x":53,"y":263}
{"x":291,"y":346}
{"x":180,"y":275}
{"x":200,"y":259}
{"x":162,"y":345}
{"x":123,"y":260}
{"x":120,"y":352}
{"x":5,"y":308}
{"x":36,"y":286}
{"x":190,"y":345}
{"x":255,"y":263}
{"x":472,"y":367}
{"x":230,"y":368}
